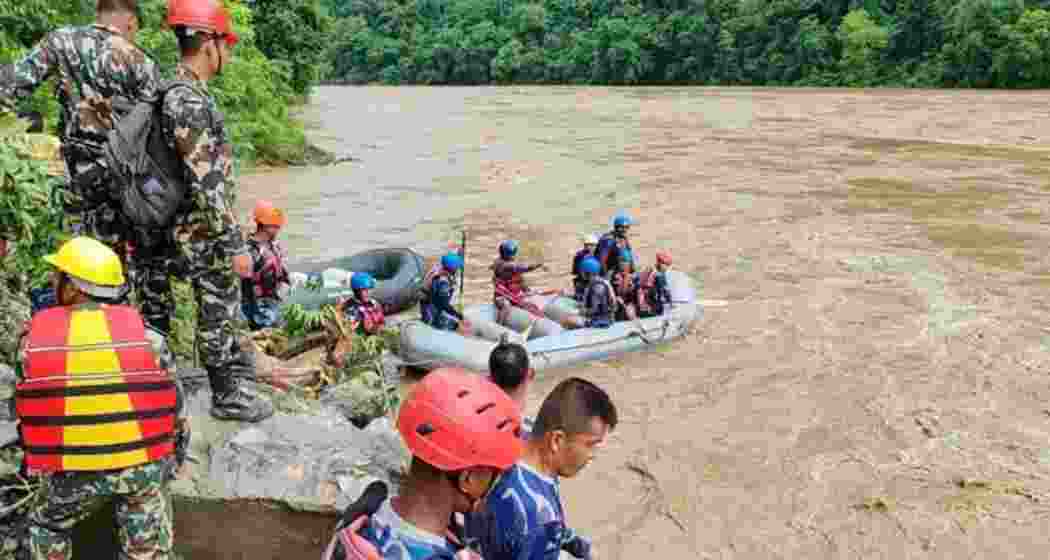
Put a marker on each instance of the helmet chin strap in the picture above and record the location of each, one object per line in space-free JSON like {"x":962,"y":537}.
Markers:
{"x":218,"y":53}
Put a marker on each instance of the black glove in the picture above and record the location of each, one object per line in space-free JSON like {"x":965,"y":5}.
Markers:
{"x":373,"y":497}
{"x":578,"y":547}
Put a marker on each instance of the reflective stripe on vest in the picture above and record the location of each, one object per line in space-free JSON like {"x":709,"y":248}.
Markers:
{"x":93,"y":397}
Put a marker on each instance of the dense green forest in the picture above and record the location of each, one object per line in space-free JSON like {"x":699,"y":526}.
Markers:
{"x":910,"y":43}
{"x":276,"y":63}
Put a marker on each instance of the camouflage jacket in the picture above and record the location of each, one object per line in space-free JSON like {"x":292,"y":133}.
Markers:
{"x":193,"y":126}
{"x":94,"y":63}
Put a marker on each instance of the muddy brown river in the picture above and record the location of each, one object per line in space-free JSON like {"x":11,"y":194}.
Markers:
{"x":870,"y":378}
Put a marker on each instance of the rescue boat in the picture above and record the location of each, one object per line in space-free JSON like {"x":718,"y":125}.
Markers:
{"x":398,"y":273}
{"x":549,"y":344}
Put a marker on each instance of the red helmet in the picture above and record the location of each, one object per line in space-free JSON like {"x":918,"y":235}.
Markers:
{"x":663,"y":257}
{"x":202,"y":14}
{"x":454,"y":420}
{"x":269,"y":215}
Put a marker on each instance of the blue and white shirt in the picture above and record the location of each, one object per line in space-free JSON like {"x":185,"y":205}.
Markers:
{"x":397,"y":539}
{"x":525,"y":507}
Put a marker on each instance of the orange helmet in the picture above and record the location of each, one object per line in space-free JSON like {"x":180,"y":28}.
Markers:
{"x":455,"y":420}
{"x":208,"y":15}
{"x":267,"y":215}
{"x":663,"y":257}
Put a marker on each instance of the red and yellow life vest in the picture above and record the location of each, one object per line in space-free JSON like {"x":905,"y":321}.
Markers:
{"x":93,"y":397}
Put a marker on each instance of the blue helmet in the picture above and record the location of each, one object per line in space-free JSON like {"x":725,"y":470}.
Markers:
{"x":452,"y":261}
{"x":622,"y":220}
{"x":508,"y":248}
{"x":362,"y":281}
{"x":590,"y":265}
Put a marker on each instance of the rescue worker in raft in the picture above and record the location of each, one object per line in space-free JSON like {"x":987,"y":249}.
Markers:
{"x":364,"y":313}
{"x":623,"y":283}
{"x":439,"y":287}
{"x":508,"y":283}
{"x":97,"y":404}
{"x":599,"y":300}
{"x":261,"y":294}
{"x":654,"y":294}
{"x":612,"y":243}
{"x":462,"y":431}
{"x":590,"y":241}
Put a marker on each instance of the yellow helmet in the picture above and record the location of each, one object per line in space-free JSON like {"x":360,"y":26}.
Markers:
{"x":94,"y":268}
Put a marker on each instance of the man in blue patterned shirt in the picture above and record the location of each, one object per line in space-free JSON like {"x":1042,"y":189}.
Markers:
{"x":525,"y":506}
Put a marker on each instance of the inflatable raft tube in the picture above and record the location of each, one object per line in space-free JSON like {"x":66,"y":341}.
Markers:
{"x":427,"y":347}
{"x":483,"y":319}
{"x":398,"y":273}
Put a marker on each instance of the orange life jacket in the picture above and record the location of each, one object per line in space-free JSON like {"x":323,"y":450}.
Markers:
{"x":93,"y":396}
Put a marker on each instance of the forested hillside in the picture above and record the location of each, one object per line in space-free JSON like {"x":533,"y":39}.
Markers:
{"x":914,"y":43}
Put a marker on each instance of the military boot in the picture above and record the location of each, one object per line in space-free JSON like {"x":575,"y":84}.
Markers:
{"x":230,"y":401}
{"x":241,"y":405}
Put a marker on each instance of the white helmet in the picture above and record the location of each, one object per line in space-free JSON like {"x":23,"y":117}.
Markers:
{"x":590,"y":239}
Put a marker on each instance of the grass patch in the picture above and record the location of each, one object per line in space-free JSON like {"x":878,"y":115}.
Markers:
{"x":1027,"y":216}
{"x":992,"y":246}
{"x":876,"y":504}
{"x":884,"y":194}
{"x":950,"y":218}
{"x":974,"y":497}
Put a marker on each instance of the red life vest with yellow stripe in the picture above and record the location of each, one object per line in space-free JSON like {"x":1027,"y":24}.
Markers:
{"x":93,"y":396}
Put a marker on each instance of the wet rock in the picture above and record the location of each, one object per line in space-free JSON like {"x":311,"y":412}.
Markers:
{"x":308,"y":456}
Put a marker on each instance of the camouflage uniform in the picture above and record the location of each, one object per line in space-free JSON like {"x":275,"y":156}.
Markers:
{"x":95,"y":64}
{"x":204,"y":239}
{"x":144,"y":510}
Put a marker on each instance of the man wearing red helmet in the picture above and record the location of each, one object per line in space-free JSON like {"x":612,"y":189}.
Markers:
{"x":462,"y":431}
{"x":206,"y":242}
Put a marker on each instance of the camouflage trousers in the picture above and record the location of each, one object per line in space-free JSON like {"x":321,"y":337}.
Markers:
{"x":143,"y":511}
{"x":14,"y":312}
{"x":217,"y":292}
{"x":101,"y":221}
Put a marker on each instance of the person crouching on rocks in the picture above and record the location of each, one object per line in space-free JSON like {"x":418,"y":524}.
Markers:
{"x":365,"y":313}
{"x":463,"y":433}
{"x":262,"y":293}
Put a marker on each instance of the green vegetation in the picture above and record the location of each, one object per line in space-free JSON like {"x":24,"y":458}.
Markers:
{"x":911,"y":43}
{"x":256,"y":91}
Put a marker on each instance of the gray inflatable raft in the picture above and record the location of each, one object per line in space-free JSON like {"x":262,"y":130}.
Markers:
{"x":398,"y":273}
{"x":429,"y":348}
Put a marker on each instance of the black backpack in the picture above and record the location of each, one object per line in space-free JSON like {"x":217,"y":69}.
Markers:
{"x":149,"y":182}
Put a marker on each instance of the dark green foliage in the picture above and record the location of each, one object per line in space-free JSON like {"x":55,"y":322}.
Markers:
{"x":971,"y":43}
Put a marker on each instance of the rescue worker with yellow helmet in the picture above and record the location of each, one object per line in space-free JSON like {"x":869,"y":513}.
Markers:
{"x":262,"y":292}
{"x":99,"y":406}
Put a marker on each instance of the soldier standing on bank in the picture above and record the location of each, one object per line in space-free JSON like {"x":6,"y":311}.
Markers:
{"x":99,"y":410}
{"x":96,"y":64}
{"x":206,"y":246}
